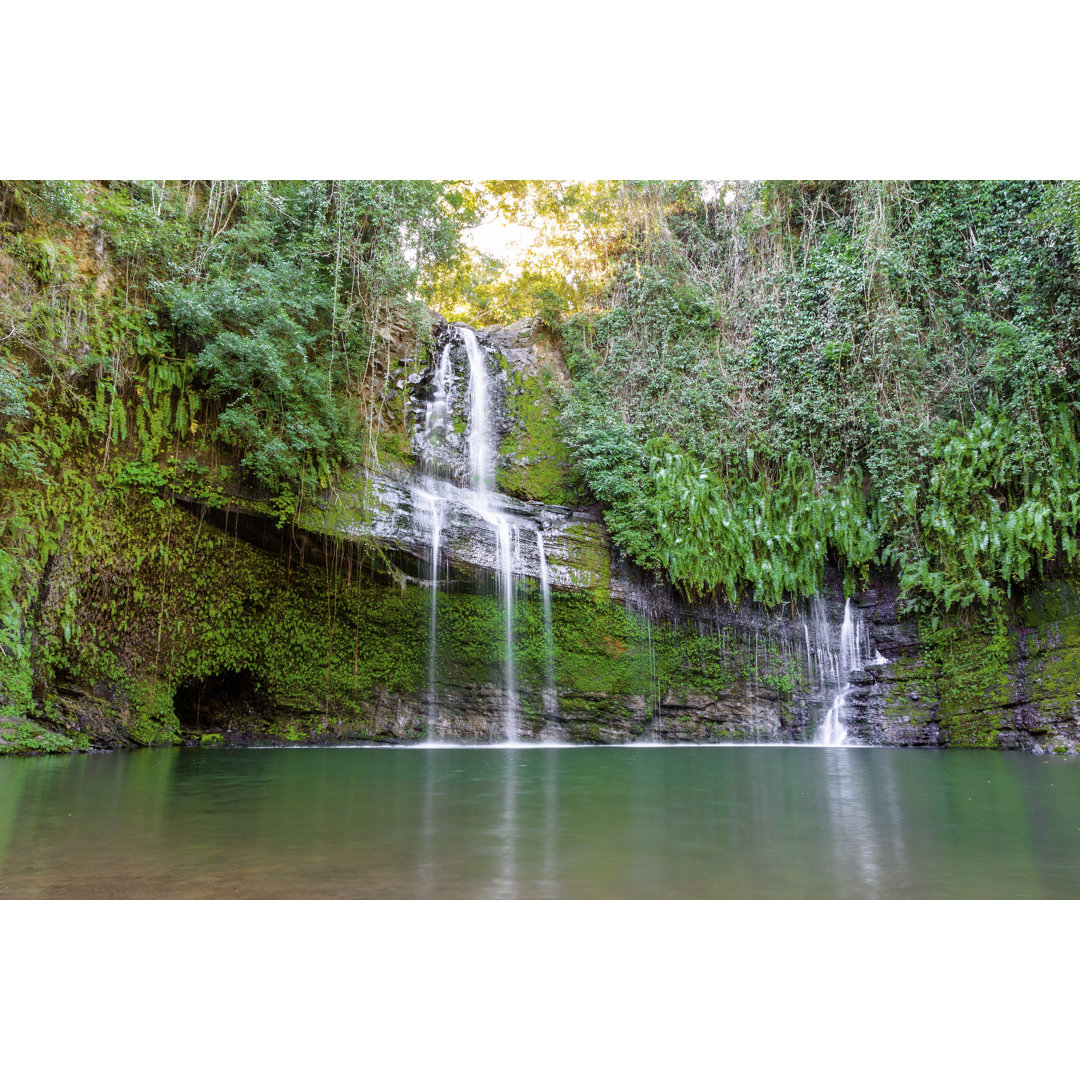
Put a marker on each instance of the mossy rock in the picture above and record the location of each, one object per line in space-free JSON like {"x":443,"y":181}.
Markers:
{"x":538,"y":468}
{"x":27,"y":737}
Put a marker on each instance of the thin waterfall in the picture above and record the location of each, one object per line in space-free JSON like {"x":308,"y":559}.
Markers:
{"x":654,"y":682}
{"x":433,"y":641}
{"x":550,"y":703}
{"x":438,"y":410}
{"x":848,"y":658}
{"x":506,"y":582}
{"x":478,"y":432}
{"x":479,"y":436}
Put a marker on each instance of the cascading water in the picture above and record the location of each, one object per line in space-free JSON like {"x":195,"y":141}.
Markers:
{"x":433,"y":641}
{"x":835,"y":665}
{"x":506,"y":591}
{"x":550,"y":702}
{"x":471,"y":463}
{"x":478,"y":433}
{"x":438,"y":410}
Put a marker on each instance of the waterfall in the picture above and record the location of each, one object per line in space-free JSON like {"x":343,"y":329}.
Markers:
{"x":847,"y":658}
{"x":478,"y":432}
{"x":435,"y":416}
{"x":433,"y":703}
{"x":550,"y":702}
{"x":506,"y":591}
{"x":654,"y":682}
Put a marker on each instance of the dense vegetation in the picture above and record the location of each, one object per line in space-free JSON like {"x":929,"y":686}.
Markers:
{"x":171,"y":337}
{"x":887,"y":372}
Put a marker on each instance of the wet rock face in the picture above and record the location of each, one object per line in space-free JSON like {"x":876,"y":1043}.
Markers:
{"x":476,"y":713}
{"x":735,"y":714}
{"x":915,"y":699}
{"x":439,"y":396}
{"x":1018,"y":691}
{"x":402,"y":518}
{"x":100,"y":712}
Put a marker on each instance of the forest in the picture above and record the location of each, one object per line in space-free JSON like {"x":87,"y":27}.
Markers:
{"x":765,"y":376}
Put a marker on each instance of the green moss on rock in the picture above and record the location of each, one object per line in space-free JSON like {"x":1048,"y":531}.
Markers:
{"x":539,"y":468}
{"x":27,"y":737}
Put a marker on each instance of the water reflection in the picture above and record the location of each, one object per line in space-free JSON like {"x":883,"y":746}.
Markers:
{"x":427,"y":868}
{"x":541,"y":822}
{"x":506,"y":845}
{"x":855,"y":837}
{"x":548,"y":873}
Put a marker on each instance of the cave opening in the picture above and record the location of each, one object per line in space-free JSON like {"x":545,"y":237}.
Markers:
{"x":210,"y":704}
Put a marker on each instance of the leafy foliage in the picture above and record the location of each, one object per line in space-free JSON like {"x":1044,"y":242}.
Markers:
{"x":284,"y":307}
{"x":732,"y":532}
{"x":164,"y":338}
{"x":810,"y":355}
{"x":571,"y":225}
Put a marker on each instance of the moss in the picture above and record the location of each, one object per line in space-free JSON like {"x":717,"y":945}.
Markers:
{"x":394,"y":447}
{"x":540,"y":469}
{"x":1052,"y":602}
{"x":1051,"y":612}
{"x":152,"y":733}
{"x":978,"y":663}
{"x":972,"y":664}
{"x":154,"y":722}
{"x":585,"y":560}
{"x":588,"y":732}
{"x":599,"y":649}
{"x":26,"y":737}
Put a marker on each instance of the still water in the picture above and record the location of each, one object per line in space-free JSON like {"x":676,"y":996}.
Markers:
{"x":604,"y":822}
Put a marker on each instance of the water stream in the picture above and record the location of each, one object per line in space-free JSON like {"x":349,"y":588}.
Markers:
{"x":838,"y":655}
{"x":842,"y":662}
{"x":480,"y":494}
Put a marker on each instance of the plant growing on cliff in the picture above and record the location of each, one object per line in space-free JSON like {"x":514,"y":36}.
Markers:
{"x":284,"y":308}
{"x":809,"y":353}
